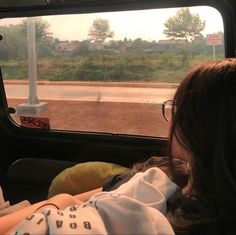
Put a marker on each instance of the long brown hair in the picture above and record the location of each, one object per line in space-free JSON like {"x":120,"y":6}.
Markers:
{"x":204,"y":123}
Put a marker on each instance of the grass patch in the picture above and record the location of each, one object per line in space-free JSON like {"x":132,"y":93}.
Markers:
{"x":117,"y":67}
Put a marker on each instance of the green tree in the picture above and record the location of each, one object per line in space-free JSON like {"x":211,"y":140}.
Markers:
{"x":140,"y":45}
{"x":44,"y":38}
{"x":41,"y":28}
{"x":200,"y":47}
{"x":13,"y":45}
{"x":184,"y":25}
{"x":100,"y":31}
{"x":82,"y":48}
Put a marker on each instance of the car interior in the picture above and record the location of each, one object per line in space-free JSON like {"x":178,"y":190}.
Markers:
{"x":111,"y":119}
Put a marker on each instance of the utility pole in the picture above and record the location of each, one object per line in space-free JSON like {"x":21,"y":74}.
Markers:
{"x":32,"y":106}
{"x":214,"y":52}
{"x":32,"y":62}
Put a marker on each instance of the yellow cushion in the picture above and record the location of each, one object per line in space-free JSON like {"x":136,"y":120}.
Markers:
{"x":84,"y":177}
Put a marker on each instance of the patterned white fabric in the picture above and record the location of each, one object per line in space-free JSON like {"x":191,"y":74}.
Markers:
{"x":136,"y":207}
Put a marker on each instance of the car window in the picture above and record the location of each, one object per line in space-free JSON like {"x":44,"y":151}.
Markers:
{"x":104,"y":72}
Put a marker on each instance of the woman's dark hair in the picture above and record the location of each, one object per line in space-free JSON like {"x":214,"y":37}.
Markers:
{"x":204,"y":123}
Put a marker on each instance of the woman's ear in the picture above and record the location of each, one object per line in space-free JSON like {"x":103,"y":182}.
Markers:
{"x":178,"y":151}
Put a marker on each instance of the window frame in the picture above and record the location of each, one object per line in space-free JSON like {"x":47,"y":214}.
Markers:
{"x":89,"y":6}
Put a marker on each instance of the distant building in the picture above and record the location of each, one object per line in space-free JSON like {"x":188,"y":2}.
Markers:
{"x":66,"y":48}
{"x":170,"y":45}
{"x":95,"y":46}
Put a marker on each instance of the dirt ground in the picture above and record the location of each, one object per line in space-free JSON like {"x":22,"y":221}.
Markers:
{"x":121,"y":118}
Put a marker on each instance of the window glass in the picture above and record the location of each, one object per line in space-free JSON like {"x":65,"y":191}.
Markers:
{"x":104,"y":72}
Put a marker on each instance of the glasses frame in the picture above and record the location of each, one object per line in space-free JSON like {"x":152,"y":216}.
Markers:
{"x":163,"y":108}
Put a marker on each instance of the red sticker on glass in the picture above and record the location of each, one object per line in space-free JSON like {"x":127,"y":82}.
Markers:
{"x":35,"y":122}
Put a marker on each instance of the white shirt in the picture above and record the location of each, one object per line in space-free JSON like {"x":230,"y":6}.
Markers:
{"x":136,"y":207}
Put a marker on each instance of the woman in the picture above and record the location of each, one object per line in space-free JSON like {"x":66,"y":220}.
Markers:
{"x":203,"y":133}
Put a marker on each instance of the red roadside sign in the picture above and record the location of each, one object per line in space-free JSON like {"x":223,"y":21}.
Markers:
{"x":214,"y":39}
{"x":35,"y":122}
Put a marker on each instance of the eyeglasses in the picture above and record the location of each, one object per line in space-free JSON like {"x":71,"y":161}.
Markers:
{"x":167,"y":109}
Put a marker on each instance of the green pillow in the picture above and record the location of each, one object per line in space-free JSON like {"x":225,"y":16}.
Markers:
{"x":84,"y":177}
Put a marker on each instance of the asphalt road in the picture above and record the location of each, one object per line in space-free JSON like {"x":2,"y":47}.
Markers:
{"x":93,"y":93}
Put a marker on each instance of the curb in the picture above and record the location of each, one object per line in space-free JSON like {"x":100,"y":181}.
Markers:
{"x":107,"y":84}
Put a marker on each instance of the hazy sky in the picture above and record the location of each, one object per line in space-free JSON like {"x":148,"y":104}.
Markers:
{"x":146,"y":24}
